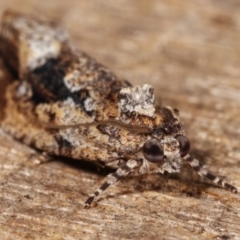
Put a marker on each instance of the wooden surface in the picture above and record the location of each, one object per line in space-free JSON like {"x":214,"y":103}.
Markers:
{"x":190,"y":52}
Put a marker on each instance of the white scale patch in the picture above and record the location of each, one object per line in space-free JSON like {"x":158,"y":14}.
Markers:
{"x":38,"y":43}
{"x":23,"y":90}
{"x":137,"y":99}
{"x":90,"y":105}
{"x":70,"y":80}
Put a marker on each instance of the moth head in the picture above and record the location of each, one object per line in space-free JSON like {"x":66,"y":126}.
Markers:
{"x":169,"y":147}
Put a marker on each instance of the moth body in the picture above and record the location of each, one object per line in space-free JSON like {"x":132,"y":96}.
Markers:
{"x":65,"y":103}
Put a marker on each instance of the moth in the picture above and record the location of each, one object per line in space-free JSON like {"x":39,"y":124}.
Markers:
{"x":66,"y":103}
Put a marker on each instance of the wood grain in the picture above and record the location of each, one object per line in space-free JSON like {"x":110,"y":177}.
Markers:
{"x":189,"y":51}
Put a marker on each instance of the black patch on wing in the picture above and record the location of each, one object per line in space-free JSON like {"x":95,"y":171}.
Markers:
{"x":48,"y":86}
{"x":65,"y":147}
{"x":47,"y":82}
{"x":80,"y":97}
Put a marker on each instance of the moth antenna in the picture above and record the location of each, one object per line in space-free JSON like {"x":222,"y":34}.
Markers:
{"x":112,"y":179}
{"x":65,"y":126}
{"x":197,"y":166}
{"x":131,"y":128}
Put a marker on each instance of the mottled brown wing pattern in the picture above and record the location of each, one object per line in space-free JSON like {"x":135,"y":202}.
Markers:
{"x":66,"y":103}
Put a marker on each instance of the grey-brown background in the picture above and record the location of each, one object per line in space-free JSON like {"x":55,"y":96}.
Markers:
{"x":190,"y":52}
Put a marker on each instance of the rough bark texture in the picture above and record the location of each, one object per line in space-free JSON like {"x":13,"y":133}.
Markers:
{"x":189,"y":51}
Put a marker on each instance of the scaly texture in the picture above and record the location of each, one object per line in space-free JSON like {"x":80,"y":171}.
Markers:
{"x":65,"y":103}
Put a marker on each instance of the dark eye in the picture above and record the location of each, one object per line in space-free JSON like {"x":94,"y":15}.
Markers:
{"x":184,"y":145}
{"x":153,"y":151}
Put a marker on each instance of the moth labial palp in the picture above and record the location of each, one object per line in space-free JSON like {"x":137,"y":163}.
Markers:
{"x":66,"y":103}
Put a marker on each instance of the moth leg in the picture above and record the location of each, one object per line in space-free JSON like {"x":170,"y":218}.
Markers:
{"x":113,"y":178}
{"x":196,"y":166}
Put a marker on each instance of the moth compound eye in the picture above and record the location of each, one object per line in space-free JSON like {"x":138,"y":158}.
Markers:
{"x":153,"y":151}
{"x":184,"y":145}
